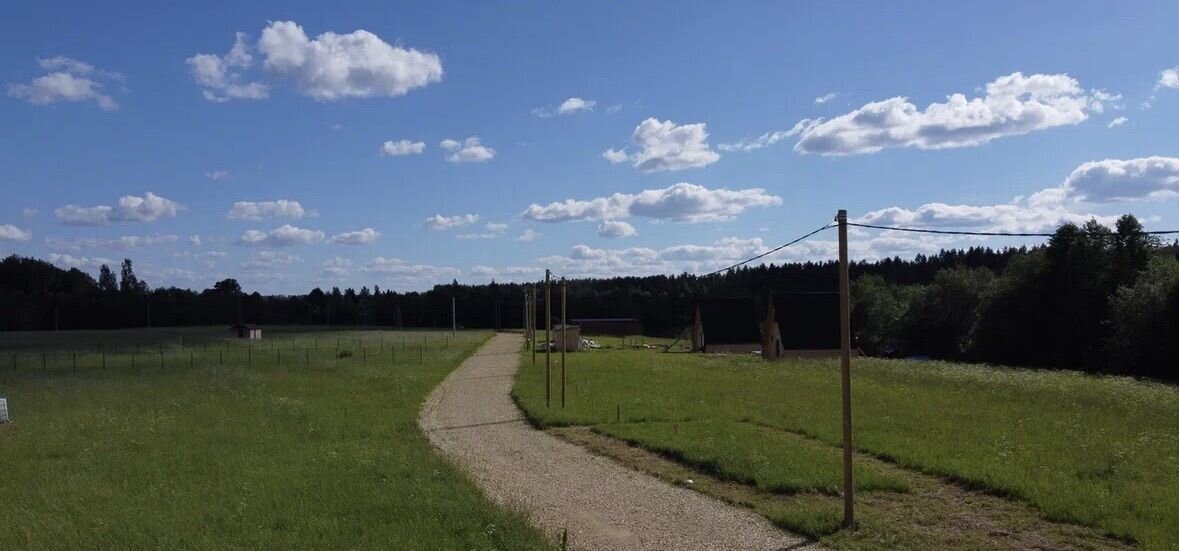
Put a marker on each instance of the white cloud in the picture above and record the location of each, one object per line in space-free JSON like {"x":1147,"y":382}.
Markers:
{"x":258,"y":210}
{"x":764,"y":140}
{"x":222,"y":77}
{"x":8,"y":232}
{"x":117,"y":243}
{"x":404,"y":273}
{"x":1110,"y":180}
{"x":130,"y":208}
{"x":573,"y":105}
{"x":402,"y":147}
{"x":1117,"y":122}
{"x":28,"y":213}
{"x":195,"y":240}
{"x":80,"y":262}
{"x":682,"y":202}
{"x":616,"y":228}
{"x":1124,"y":180}
{"x":1168,"y":78}
{"x":216,"y":175}
{"x":336,"y":267}
{"x":664,"y":145}
{"x":614,"y":108}
{"x":283,"y":236}
{"x":528,"y":236}
{"x":265,"y":261}
{"x":208,"y":258}
{"x":328,"y":67}
{"x":825,"y":98}
{"x":615,"y":156}
{"x":469,"y":150}
{"x":439,"y":222}
{"x":1014,"y":104}
{"x":359,"y":237}
{"x":491,"y":231}
{"x":68,"y":80}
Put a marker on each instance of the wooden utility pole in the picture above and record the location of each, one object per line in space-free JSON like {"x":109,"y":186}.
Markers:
{"x":548,"y":341}
{"x":453,"y":319}
{"x":564,"y":341}
{"x":849,"y":517}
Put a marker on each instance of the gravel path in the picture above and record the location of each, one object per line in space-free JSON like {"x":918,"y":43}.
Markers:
{"x":471,"y":418}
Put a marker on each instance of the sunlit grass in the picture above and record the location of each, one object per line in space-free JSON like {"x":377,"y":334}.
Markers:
{"x":1098,"y":451}
{"x":323,"y":452}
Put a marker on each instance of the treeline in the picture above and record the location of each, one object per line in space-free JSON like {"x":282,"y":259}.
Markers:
{"x":1090,"y":298}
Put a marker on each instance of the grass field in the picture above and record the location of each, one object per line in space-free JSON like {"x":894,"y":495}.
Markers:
{"x":238,"y":451}
{"x":1097,"y":452}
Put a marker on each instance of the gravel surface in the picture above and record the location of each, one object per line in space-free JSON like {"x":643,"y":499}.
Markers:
{"x":471,"y":418}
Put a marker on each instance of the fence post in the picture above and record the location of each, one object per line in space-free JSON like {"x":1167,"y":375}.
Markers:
{"x":548,"y":340}
{"x":849,"y":518}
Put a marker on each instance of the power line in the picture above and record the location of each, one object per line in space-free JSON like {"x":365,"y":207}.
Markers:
{"x":998,"y":234}
{"x":771,"y":251}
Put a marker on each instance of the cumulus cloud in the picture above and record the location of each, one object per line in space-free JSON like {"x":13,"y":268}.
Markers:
{"x":567,"y":107}
{"x":1014,"y":104}
{"x":67,"y":80}
{"x":439,"y":222}
{"x":359,"y":237}
{"x":1117,"y":122}
{"x":491,"y":231}
{"x":825,"y":98}
{"x":28,"y":213}
{"x":616,"y":228}
{"x":469,"y":150}
{"x":80,"y":262}
{"x":404,"y":273}
{"x":1110,"y":180}
{"x":117,"y":243}
{"x":682,"y":202}
{"x":8,"y":232}
{"x":266,"y":261}
{"x":528,"y":236}
{"x":283,"y":236}
{"x":336,"y":267}
{"x":258,"y":210}
{"x":216,"y":175}
{"x":615,"y":156}
{"x":402,"y":147}
{"x":130,"y":208}
{"x":221,"y":77}
{"x":328,"y":67}
{"x":664,"y":145}
{"x":1168,"y":78}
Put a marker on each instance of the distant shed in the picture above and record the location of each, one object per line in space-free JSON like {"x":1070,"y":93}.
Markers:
{"x":802,"y":325}
{"x":726,"y":325}
{"x":246,"y":332}
{"x":615,"y":327}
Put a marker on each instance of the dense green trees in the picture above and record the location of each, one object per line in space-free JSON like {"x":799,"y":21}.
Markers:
{"x":1091,"y":298}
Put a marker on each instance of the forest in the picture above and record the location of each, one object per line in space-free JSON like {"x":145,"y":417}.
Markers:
{"x":1092,"y":298}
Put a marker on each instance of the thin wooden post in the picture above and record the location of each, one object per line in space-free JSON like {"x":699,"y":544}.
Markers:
{"x":548,"y":341}
{"x":849,"y":517}
{"x":453,"y":319}
{"x":564,"y":340}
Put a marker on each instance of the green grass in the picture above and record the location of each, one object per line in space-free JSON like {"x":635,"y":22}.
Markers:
{"x":771,"y":460}
{"x":1098,"y":451}
{"x":322,"y":452}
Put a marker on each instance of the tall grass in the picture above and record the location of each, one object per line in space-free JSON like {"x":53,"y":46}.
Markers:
{"x":318,"y":454}
{"x":1099,"y":451}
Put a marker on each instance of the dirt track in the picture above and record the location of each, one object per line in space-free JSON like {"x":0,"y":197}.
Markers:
{"x":471,"y":418}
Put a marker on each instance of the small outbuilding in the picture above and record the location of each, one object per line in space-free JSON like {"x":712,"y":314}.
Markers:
{"x":243,"y":331}
{"x":728,"y":325}
{"x":802,"y":325}
{"x":614,"y":327}
{"x":572,"y":340}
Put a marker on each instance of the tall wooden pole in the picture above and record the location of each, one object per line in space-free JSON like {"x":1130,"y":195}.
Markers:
{"x":453,"y":319}
{"x":564,"y":341}
{"x":548,"y":341}
{"x":849,"y":517}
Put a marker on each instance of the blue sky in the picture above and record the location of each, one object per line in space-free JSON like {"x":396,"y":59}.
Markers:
{"x":1066,"y":110}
